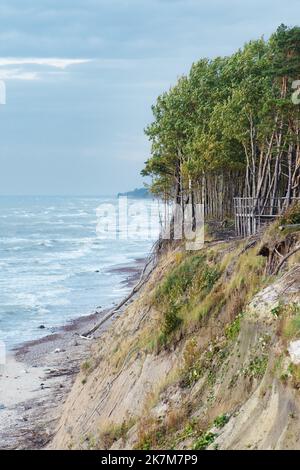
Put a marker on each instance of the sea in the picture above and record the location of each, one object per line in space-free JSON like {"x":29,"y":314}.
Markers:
{"x":59,"y":258}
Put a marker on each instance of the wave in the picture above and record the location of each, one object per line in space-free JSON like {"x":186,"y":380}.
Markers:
{"x":53,"y":267}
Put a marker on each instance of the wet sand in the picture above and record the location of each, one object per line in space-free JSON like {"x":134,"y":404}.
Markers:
{"x":38,"y":375}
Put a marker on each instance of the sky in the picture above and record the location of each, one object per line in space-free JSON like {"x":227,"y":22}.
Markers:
{"x":81,"y":76}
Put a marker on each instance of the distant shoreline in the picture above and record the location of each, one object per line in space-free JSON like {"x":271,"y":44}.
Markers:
{"x":138,"y":193}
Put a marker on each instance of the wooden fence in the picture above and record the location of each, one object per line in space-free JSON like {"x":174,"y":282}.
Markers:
{"x":252,"y":213}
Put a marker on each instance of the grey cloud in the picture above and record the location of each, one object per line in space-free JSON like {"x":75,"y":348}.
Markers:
{"x":80,"y":130}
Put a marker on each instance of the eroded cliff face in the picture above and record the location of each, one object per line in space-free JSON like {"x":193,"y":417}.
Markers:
{"x":206,"y":357}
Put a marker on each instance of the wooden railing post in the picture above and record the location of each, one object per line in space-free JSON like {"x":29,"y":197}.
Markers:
{"x":251,"y":212}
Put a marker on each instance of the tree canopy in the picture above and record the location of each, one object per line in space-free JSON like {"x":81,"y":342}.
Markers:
{"x":230,"y":127}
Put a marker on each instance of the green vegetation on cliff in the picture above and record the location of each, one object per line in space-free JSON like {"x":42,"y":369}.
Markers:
{"x":201,"y":358}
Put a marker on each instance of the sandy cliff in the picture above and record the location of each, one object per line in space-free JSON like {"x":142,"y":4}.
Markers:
{"x":207,"y":356}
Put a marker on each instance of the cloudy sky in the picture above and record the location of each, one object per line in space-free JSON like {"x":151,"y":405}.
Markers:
{"x":81,"y":76}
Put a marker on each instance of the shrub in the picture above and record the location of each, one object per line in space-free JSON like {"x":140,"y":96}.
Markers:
{"x":171,"y":296}
{"x":86,"y":365}
{"x":209,"y":278}
{"x":204,"y":441}
{"x":179,"y":280}
{"x":276,"y":311}
{"x":257,"y":367}
{"x":291,"y":215}
{"x":232,"y":330}
{"x":192,"y":369}
{"x":171,"y":321}
{"x":221,"y":420}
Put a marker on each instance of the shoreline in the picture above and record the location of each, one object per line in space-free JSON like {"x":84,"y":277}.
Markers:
{"x":38,"y":374}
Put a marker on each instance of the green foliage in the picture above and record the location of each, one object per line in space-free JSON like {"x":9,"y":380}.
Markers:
{"x":188,"y":431}
{"x":257,"y":367}
{"x":192,"y":369}
{"x":232,"y":330}
{"x":221,"y":420}
{"x":205,"y":365}
{"x":204,"y":441}
{"x":276,"y":311}
{"x":248,"y":277}
{"x":146,"y":445}
{"x":209,"y":277}
{"x":86,"y":366}
{"x":230,"y":116}
{"x":171,"y":320}
{"x":179,"y":280}
{"x":192,"y":374}
{"x":292,"y":215}
{"x":169,"y":294}
{"x":192,"y":278}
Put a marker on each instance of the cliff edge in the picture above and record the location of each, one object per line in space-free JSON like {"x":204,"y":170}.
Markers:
{"x":206,"y":356}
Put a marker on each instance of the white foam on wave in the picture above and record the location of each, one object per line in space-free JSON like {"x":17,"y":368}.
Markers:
{"x":12,"y":240}
{"x":52,"y":271}
{"x":54,"y":298}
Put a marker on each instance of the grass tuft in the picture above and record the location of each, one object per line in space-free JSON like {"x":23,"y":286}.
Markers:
{"x":221,"y":420}
{"x":204,"y":441}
